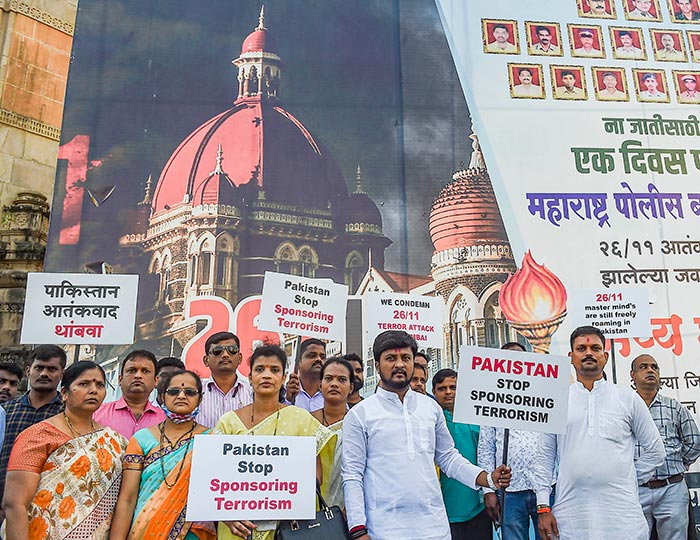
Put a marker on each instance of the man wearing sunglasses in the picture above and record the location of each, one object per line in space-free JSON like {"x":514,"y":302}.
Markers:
{"x":133,"y":411}
{"x":225,"y":391}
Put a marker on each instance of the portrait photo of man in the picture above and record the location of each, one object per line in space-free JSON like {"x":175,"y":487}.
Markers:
{"x":684,"y":11}
{"x":642,"y":10}
{"x":694,"y":40}
{"x":569,"y":82}
{"x":628,"y":43}
{"x":687,"y":86}
{"x":611,"y":84}
{"x":543,"y":39}
{"x":599,"y":9}
{"x":500,"y":37}
{"x":526,"y":81}
{"x":650,"y":85}
{"x":668,"y":45}
{"x":586,"y":41}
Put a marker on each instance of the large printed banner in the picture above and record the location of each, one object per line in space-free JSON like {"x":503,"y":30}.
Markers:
{"x":587,"y":114}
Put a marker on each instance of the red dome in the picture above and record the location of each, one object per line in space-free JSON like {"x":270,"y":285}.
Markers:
{"x":465,"y":213}
{"x":263,"y":147}
{"x":258,"y":41}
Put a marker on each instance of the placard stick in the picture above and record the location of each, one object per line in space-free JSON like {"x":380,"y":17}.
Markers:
{"x":506,"y":436}
{"x":296,"y":365}
{"x":612,"y":360}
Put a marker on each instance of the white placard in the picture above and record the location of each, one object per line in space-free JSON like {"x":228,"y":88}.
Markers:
{"x":99,"y":309}
{"x":303,"y":306}
{"x":420,"y":316}
{"x":618,"y":313}
{"x":512,"y":389}
{"x":252,"y":477}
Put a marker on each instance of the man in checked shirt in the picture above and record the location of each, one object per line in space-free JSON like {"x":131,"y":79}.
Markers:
{"x":664,"y":498}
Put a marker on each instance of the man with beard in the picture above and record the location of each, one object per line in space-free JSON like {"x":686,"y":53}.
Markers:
{"x":225,"y":390}
{"x":391,"y":444}
{"x":596,"y":495}
{"x":665,"y":497}
{"x":10,"y":375}
{"x":358,"y":368}
{"x":304,"y":384}
{"x":41,"y":401}
{"x":133,"y":411}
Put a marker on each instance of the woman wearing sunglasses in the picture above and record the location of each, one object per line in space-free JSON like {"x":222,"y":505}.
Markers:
{"x":156,"y":471}
{"x":267,"y":416}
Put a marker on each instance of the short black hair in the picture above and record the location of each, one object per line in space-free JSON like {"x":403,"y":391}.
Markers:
{"x":393,"y":339}
{"x":352,"y":357}
{"x":625,"y":33}
{"x":269,"y":350}
{"x":76,"y":369}
{"x":424,"y":355}
{"x":343,"y":362}
{"x":47,"y":352}
{"x":586,"y":331}
{"x":421,"y":367}
{"x":164,"y":381}
{"x":511,"y":344}
{"x":503,"y":26}
{"x":169,"y":361}
{"x":567,"y":72}
{"x":140,"y":353}
{"x":218,"y":337}
{"x":307,"y":343}
{"x":12,"y":368}
{"x":539,"y":29}
{"x":443,"y":374}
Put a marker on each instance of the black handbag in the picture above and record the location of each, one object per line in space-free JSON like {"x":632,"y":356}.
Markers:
{"x":329,"y":525}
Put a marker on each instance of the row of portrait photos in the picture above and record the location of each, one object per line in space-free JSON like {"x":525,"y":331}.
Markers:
{"x":679,"y":11}
{"x":500,"y":36}
{"x":610,"y":83}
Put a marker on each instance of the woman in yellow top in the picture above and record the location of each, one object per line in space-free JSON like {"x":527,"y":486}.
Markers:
{"x":267,"y":416}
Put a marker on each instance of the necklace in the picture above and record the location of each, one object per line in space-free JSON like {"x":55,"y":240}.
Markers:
{"x":163,"y":438}
{"x":325,"y":422}
{"x":252,"y":416}
{"x":73,"y":431}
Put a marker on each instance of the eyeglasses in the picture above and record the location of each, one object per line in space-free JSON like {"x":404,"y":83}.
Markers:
{"x":189,"y":392}
{"x":217,"y":350}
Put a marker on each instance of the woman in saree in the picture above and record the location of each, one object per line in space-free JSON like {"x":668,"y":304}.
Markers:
{"x":337,"y":383}
{"x":267,"y":416}
{"x":153,"y":497}
{"x":64,"y":473}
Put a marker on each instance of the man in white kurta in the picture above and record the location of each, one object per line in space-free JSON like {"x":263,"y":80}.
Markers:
{"x":391,"y":443}
{"x":596,"y":495}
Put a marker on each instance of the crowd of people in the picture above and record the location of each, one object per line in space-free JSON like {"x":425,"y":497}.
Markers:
{"x":394,"y":461}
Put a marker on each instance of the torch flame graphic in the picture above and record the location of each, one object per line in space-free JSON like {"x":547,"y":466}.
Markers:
{"x":533,"y":301}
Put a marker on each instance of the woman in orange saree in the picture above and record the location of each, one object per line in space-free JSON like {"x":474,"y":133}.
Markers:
{"x":153,"y":499}
{"x":64,"y":473}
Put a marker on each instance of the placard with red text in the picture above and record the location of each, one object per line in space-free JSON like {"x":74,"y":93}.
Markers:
{"x":512,"y":389}
{"x":252,"y":477}
{"x":420,"y":316}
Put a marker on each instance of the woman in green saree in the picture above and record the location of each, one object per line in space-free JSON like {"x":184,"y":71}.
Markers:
{"x":267,"y":416}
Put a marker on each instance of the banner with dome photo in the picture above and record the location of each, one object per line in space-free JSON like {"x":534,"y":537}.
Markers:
{"x":204,"y":147}
{"x":587,"y":116}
